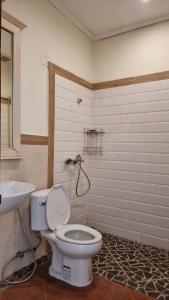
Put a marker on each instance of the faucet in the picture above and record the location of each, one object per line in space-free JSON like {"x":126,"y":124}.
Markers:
{"x":77,"y":160}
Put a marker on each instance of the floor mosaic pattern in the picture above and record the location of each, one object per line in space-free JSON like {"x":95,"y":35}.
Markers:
{"x":142,"y":267}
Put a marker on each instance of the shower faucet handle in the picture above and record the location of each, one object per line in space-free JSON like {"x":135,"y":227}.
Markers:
{"x":79,"y":159}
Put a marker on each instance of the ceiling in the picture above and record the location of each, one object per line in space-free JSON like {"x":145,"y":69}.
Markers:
{"x":100,"y":19}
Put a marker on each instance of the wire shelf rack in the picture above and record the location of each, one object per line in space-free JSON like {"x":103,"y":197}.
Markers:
{"x":93,"y":141}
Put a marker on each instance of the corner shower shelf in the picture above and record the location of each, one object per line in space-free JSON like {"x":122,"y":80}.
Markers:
{"x":93,"y":141}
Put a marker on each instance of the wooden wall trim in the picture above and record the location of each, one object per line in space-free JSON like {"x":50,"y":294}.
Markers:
{"x":66,"y":74}
{"x":5,"y":100}
{"x":27,"y":139}
{"x":13,"y":20}
{"x":5,"y":57}
{"x":131,"y":80}
{"x":51,"y":123}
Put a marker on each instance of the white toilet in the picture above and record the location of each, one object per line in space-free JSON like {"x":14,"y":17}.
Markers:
{"x":72,"y":245}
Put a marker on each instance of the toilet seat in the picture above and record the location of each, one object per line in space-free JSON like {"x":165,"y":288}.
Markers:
{"x":57,"y":207}
{"x":78,"y":234}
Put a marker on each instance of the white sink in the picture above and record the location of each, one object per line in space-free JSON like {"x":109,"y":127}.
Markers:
{"x":13,"y":193}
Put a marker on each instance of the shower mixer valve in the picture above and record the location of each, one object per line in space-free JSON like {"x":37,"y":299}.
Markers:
{"x":77,"y":160}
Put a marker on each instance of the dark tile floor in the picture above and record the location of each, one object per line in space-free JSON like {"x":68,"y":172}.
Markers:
{"x":143,"y":268}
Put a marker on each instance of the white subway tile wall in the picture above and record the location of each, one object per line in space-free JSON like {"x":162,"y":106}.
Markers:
{"x":130,"y":182}
{"x":70,"y":120}
{"x":129,"y":193}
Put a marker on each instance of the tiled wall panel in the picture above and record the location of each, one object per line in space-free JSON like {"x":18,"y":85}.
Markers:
{"x":70,"y":120}
{"x":129,"y":193}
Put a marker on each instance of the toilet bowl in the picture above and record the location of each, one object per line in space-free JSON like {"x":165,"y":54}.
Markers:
{"x":73,"y":245}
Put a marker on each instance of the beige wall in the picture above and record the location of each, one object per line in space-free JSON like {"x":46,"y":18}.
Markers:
{"x":32,"y":168}
{"x":135,"y":53}
{"x":49,"y":36}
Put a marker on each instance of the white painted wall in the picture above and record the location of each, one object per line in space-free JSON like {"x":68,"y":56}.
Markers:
{"x":129,"y":182}
{"x":49,"y":36}
{"x":139,"y":52}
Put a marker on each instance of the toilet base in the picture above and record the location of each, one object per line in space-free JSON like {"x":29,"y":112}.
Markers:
{"x":76,"y":272}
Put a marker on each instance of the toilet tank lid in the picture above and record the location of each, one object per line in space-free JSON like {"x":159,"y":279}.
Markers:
{"x":40,"y":193}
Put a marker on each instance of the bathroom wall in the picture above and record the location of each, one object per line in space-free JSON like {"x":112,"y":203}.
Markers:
{"x":138,"y":52}
{"x":32,"y":168}
{"x":70,"y":120}
{"x":49,"y":36}
{"x":129,"y":182}
{"x":137,"y":204}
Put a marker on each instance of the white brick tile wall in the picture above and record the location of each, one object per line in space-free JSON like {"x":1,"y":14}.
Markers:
{"x":130,"y":182}
{"x":70,"y":120}
{"x":129,"y":193}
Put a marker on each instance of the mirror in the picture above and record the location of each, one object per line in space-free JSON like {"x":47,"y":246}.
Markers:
{"x":10,"y":90}
{"x":6,"y":88}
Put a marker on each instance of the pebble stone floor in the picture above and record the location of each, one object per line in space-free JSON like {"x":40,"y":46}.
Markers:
{"x":142,"y":267}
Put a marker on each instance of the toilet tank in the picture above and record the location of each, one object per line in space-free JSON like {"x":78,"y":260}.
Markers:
{"x":38,"y":210}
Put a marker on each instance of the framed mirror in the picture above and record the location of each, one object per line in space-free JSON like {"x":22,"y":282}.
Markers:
{"x":10,"y":91}
{"x":6,"y":88}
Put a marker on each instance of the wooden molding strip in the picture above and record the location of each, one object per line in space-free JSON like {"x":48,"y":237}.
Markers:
{"x":108,"y":84}
{"x":131,"y":80}
{"x":53,"y":69}
{"x":5,"y":100}
{"x":13,"y":20}
{"x":51,"y":123}
{"x":66,"y":74}
{"x":27,"y":139}
{"x":5,"y":57}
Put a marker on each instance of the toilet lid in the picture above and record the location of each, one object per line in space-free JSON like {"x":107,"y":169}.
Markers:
{"x":57,"y":207}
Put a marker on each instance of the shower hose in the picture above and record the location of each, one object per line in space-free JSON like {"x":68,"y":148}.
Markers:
{"x":79,"y":161}
{"x":20,"y":254}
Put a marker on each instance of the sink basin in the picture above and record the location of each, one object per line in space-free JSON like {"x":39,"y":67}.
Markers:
{"x":13,"y":193}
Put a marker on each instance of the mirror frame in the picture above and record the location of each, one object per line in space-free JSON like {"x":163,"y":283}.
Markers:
{"x":14,"y":152}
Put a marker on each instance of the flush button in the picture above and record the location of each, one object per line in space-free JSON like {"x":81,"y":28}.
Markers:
{"x":43,"y":203}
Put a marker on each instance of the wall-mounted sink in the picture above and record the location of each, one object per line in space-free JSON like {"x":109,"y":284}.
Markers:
{"x":13,"y":193}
